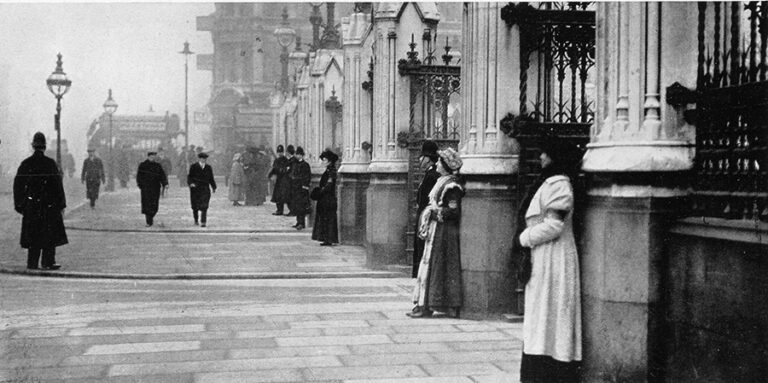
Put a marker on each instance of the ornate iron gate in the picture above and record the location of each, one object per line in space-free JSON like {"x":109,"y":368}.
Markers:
{"x":731,"y":171}
{"x":433,"y":114}
{"x":557,"y":59}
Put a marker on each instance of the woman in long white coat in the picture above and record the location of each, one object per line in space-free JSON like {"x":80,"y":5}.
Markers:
{"x":552,"y":321}
{"x":236,"y":181}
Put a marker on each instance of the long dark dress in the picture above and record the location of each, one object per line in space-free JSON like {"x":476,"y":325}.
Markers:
{"x":150,"y":178}
{"x":202,"y":178}
{"x":326,"y":227}
{"x":301,"y":175}
{"x":93,"y":176}
{"x":422,"y":200}
{"x":281,"y":193}
{"x":38,"y":194}
{"x":438,"y":284}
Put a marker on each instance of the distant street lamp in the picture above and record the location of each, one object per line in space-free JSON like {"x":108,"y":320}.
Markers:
{"x":186,"y":52}
{"x":58,"y":84}
{"x":110,"y":106}
{"x":285,"y":37}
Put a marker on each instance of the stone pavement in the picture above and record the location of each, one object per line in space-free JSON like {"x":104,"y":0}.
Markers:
{"x":240,"y":242}
{"x":309,"y":330}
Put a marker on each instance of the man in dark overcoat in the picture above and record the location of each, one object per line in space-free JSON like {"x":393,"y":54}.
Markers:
{"x":38,"y":195}
{"x":281,"y":192}
{"x":92,"y":176}
{"x":428,"y":161}
{"x":150,"y":178}
{"x":301,"y":175}
{"x":201,"y":182}
{"x":291,"y":151}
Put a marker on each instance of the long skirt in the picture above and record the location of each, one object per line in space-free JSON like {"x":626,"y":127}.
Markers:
{"x":438,"y":283}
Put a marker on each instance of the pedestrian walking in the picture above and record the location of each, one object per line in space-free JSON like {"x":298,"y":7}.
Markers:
{"x":92,"y":176}
{"x":301,"y":175}
{"x":166,"y":164}
{"x":38,"y":195}
{"x":552,"y":321}
{"x":326,"y":228}
{"x":291,"y":156}
{"x":279,"y":173}
{"x":68,"y":163}
{"x":150,"y":178}
{"x":236,"y":181}
{"x":427,"y":161}
{"x":201,"y":182}
{"x":438,"y":283}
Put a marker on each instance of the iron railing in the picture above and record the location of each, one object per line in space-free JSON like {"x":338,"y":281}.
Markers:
{"x":731,"y":179}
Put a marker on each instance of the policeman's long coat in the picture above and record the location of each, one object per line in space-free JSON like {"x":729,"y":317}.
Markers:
{"x":150,"y":178}
{"x":93,"y":176}
{"x":301,"y":175}
{"x":38,"y":194}
{"x":202,"y":178}
{"x":282,"y":191}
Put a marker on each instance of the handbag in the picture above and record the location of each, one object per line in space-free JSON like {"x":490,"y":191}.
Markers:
{"x":316,"y":193}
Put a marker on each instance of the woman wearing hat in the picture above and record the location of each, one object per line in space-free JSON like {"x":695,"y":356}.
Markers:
{"x":325,"y":229}
{"x":428,"y":162}
{"x":552,"y":324}
{"x":236,"y":179}
{"x":438,"y":284}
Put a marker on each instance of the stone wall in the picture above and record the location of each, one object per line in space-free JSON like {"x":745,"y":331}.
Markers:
{"x":716,"y":303}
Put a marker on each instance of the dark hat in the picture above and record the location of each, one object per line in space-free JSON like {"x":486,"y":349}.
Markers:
{"x":299,"y":151}
{"x":291,"y":150}
{"x":151,"y":153}
{"x":38,"y":141}
{"x":329,"y":155}
{"x":280,"y":149}
{"x":91,"y":150}
{"x":561,"y":151}
{"x":202,"y":155}
{"x":429,"y":149}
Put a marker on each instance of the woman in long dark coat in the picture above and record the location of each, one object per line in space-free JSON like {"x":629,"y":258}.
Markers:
{"x":326,"y":228}
{"x":38,"y":194}
{"x":438,"y":284}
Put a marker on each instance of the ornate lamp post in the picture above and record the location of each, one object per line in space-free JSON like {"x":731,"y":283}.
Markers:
{"x":315,"y":19}
{"x":110,"y":106}
{"x":186,"y":52}
{"x":285,"y":36}
{"x":58,"y":84}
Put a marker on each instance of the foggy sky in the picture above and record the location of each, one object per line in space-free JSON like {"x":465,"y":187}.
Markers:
{"x":129,"y":47}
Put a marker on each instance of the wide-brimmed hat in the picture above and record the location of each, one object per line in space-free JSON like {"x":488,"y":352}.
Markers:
{"x":429,"y":149}
{"x":299,"y":151}
{"x":91,"y":150}
{"x":561,"y":151}
{"x":451,"y":158}
{"x":329,"y":155}
{"x":202,"y":155}
{"x":38,"y":140}
{"x":151,"y":153}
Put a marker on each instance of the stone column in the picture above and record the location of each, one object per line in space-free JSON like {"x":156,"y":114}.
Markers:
{"x":488,"y":75}
{"x":353,"y":173}
{"x":637,"y":156}
{"x":387,"y":195}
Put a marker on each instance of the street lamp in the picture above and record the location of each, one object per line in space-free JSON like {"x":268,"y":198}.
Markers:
{"x":186,"y":52}
{"x":285,"y":36}
{"x":58,"y":84}
{"x":110,"y":106}
{"x":315,"y":19}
